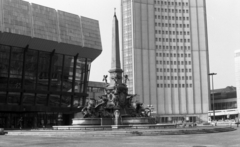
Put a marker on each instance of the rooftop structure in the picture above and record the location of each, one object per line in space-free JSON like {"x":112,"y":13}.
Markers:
{"x":40,"y":27}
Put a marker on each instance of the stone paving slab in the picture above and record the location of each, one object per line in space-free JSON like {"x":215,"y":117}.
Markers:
{"x":226,"y":139}
{"x":120,"y":132}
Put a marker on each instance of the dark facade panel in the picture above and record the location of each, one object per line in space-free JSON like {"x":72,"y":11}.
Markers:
{"x":32,"y":77}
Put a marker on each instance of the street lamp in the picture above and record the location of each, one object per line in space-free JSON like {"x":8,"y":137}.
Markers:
{"x":212,"y":74}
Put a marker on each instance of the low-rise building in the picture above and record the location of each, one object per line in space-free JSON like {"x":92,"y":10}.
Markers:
{"x":95,"y":89}
{"x":224,"y":102}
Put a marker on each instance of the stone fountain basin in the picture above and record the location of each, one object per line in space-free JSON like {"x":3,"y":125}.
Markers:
{"x":110,"y":121}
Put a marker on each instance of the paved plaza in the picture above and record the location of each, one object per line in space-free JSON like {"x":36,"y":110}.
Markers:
{"x":227,"y":139}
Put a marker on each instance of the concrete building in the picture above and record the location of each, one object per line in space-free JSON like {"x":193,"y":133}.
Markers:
{"x":224,"y":103}
{"x":95,"y":89}
{"x":165,"y":55}
{"x":237,"y":75}
{"x":224,"y":98}
{"x":45,"y":60}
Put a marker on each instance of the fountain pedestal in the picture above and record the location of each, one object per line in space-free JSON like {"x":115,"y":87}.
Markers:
{"x":115,"y":107}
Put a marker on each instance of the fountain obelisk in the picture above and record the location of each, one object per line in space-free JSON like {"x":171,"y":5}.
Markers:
{"x":116,"y":102}
{"x":115,"y":71}
{"x":116,"y":74}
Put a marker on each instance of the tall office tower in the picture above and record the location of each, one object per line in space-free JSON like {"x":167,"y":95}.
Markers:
{"x":165,"y":55}
{"x":237,"y":74}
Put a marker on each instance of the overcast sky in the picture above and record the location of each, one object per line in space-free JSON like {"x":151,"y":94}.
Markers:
{"x":223,"y":33}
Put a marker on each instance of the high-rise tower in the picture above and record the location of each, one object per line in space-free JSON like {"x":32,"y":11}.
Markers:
{"x":165,"y":55}
{"x":237,"y":75}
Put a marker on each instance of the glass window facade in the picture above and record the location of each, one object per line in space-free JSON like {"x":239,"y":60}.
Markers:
{"x":127,"y":43}
{"x":33,"y":77}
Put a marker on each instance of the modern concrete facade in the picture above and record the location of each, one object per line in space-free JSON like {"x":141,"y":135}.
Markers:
{"x":237,"y":75}
{"x":165,"y":55}
{"x":45,"y":61}
{"x":225,"y":103}
{"x":23,"y":23}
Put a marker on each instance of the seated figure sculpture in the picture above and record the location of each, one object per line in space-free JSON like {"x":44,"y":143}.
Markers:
{"x":115,"y":98}
{"x":89,"y":110}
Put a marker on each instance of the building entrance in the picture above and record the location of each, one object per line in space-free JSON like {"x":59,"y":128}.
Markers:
{"x":2,"y":122}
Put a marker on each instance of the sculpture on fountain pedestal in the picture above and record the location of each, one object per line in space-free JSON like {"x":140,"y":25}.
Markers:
{"x":126,"y":79}
{"x":116,"y":99}
{"x":105,"y":78}
{"x":89,"y":110}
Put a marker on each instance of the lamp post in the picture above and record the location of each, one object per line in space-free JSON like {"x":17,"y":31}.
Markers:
{"x":212,"y":74}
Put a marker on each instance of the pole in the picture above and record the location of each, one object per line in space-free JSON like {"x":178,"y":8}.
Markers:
{"x":212,"y":74}
{"x":238,"y":120}
{"x":213,"y":100}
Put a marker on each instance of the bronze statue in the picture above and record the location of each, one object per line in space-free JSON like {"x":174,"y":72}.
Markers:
{"x":126,"y":79}
{"x":89,"y":110}
{"x":116,"y":77}
{"x":105,"y":78}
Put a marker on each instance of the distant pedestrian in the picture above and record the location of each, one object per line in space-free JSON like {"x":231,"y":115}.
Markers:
{"x":237,"y":121}
{"x":42,"y":122}
{"x":20,"y":122}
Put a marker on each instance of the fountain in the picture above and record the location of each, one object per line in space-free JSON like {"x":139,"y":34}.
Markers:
{"x":116,"y":106}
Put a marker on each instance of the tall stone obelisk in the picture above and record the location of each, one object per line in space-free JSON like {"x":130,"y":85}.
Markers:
{"x":115,"y":71}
